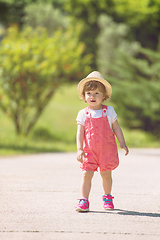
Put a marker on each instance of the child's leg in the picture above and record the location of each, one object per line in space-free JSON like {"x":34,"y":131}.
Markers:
{"x":107,"y":181}
{"x":86,"y":183}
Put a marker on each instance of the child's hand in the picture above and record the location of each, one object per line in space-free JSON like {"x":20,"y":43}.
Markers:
{"x":80,"y":155}
{"x":123,"y":146}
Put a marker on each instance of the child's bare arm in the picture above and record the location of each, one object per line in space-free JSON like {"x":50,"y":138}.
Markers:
{"x":119,"y":134}
{"x":80,"y":138}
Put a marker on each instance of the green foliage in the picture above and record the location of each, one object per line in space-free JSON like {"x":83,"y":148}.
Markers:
{"x":119,"y":47}
{"x":88,"y":9}
{"x":46,"y":16}
{"x":142,"y":17}
{"x":86,"y":12}
{"x":44,"y":134}
{"x":12,"y":11}
{"x":32,"y":67}
{"x":136,"y":11}
{"x":135,"y":81}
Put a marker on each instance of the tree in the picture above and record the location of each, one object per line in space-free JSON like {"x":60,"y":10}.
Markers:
{"x":142,"y":17}
{"x":32,"y":67}
{"x":44,"y":15}
{"x":85,"y":12}
{"x":12,"y":11}
{"x":135,"y":81}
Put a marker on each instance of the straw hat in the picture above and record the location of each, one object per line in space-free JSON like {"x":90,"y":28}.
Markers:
{"x":94,"y":76}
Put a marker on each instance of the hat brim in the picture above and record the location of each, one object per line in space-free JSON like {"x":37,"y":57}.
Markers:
{"x":103,"y":81}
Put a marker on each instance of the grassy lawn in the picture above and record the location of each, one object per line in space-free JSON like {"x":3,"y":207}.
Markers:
{"x":55,"y":130}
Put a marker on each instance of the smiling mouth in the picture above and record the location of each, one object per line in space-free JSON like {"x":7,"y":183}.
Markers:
{"x":93,"y":101}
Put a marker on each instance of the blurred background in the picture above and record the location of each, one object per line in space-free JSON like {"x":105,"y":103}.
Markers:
{"x":48,"y":46}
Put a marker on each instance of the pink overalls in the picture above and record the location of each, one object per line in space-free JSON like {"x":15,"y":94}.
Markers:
{"x":99,"y":143}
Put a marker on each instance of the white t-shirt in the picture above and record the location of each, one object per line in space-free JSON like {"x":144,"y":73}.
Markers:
{"x":111,"y":114}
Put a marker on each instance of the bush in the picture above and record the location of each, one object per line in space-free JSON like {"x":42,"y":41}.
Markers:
{"x":134,"y":73}
{"x":44,"y":15}
{"x":32,"y":67}
{"x":43,"y":134}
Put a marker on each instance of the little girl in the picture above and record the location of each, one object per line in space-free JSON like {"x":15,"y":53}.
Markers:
{"x":96,"y":146}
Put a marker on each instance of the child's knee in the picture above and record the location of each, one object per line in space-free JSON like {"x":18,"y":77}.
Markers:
{"x":106,"y":174}
{"x":88,"y":175}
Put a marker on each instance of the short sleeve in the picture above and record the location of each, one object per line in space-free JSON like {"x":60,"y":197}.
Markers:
{"x":112,"y":115}
{"x":81,"y":117}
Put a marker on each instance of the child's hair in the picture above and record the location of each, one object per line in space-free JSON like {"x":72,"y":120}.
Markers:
{"x":93,"y":85}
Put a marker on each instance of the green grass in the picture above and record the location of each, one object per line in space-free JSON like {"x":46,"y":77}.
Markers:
{"x":55,"y":130}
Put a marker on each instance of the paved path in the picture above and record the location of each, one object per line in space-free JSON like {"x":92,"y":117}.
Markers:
{"x":38,"y":194}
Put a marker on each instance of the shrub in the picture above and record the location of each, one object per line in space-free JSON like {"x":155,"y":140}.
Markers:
{"x":32,"y":67}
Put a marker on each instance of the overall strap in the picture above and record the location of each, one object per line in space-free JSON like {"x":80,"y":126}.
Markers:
{"x":87,"y":112}
{"x":104,"y":110}
{"x":88,"y":118}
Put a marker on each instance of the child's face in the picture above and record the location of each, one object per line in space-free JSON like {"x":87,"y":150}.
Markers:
{"x":94,"y":98}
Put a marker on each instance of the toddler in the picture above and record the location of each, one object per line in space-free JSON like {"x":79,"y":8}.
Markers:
{"x":96,"y":145}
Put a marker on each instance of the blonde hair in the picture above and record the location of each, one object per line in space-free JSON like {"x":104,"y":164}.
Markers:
{"x":93,"y":85}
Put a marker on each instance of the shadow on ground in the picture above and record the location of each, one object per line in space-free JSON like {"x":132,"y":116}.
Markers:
{"x":126,"y":212}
